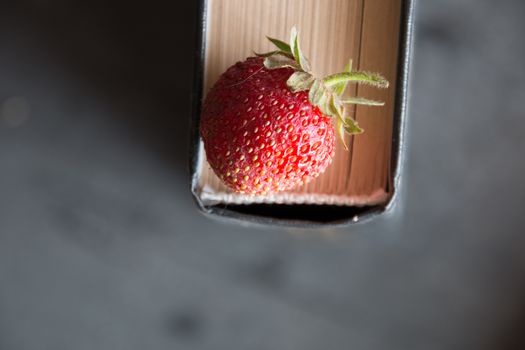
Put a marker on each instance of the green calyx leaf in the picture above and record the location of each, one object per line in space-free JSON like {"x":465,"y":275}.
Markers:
{"x":266,"y":54}
{"x":362,"y":101}
{"x":341,"y":132}
{"x":324,"y":104}
{"x":280,"y":61}
{"x":340,"y":88}
{"x":336,"y":107}
{"x":331,"y":105}
{"x":351,"y":126}
{"x":317,"y":90}
{"x":291,"y":51}
{"x":296,"y":51}
{"x":372,"y":79}
{"x":281,"y":45}
{"x":300,"y":81}
{"x":324,"y":99}
{"x":345,"y":125}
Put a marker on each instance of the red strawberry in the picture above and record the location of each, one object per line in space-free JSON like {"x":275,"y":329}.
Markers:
{"x":267,"y":122}
{"x":259,"y":136}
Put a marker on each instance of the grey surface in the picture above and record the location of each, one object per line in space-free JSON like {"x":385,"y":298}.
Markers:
{"x":102,"y":248}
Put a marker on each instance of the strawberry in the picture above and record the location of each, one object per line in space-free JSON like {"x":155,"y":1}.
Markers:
{"x":266,"y":123}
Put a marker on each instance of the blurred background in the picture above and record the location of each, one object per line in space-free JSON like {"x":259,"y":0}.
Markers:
{"x":101,"y":246}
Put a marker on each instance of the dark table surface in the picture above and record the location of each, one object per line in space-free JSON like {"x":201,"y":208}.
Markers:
{"x":101,"y":246}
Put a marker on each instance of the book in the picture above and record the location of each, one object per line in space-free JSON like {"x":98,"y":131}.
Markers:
{"x":332,"y":32}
